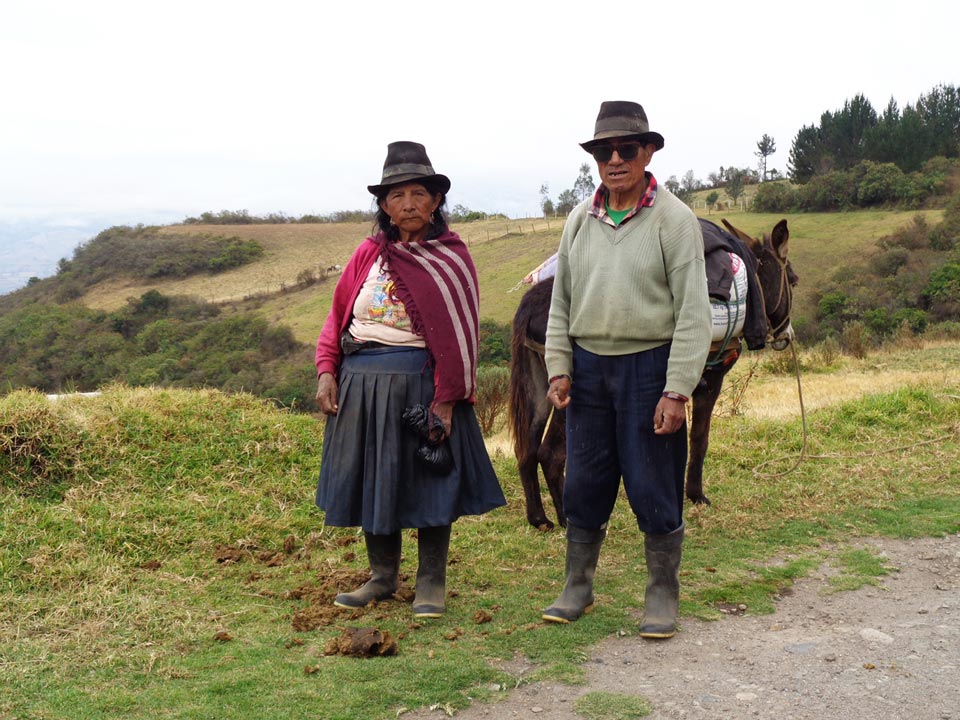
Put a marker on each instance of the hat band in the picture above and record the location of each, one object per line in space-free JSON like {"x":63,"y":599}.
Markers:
{"x":621,"y":124}
{"x":407,"y":169}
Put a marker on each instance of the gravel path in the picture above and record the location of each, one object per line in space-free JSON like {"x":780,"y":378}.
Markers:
{"x":890,"y":651}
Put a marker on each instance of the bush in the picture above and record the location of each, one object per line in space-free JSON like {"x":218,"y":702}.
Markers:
{"x":911,"y":237}
{"x":887,"y":264}
{"x":494,"y":343}
{"x":855,"y":339}
{"x":878,"y":183}
{"x":827,"y":353}
{"x":774,"y":197}
{"x":493,"y":394}
{"x":40,"y":448}
{"x":833,"y":191}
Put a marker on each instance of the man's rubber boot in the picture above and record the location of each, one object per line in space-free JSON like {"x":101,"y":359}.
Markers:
{"x":383,"y":552}
{"x":433,"y":544}
{"x":662,"y":600}
{"x":583,"y":552}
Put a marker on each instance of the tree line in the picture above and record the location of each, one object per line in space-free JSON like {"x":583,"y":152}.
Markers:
{"x":856,"y":133}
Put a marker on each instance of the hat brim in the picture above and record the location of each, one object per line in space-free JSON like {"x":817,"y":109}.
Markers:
{"x":602,"y":138}
{"x":441,"y":181}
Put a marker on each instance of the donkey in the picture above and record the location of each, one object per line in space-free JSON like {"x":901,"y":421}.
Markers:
{"x":541,"y":441}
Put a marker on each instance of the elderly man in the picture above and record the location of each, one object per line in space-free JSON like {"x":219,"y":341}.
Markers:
{"x":627,"y":338}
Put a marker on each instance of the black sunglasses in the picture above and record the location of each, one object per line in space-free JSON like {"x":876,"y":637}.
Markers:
{"x":627,"y":151}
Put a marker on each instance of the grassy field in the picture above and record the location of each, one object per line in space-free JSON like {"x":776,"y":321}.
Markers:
{"x":503,"y":250}
{"x":161,"y":557}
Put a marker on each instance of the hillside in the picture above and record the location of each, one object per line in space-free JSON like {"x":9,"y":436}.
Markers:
{"x":504,"y":251}
{"x":160,"y":549}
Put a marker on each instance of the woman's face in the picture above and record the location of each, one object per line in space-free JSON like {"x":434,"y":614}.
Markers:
{"x":409,"y":207}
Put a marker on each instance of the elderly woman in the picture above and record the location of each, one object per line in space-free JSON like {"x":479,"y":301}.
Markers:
{"x":402,"y":333}
{"x":627,"y":338}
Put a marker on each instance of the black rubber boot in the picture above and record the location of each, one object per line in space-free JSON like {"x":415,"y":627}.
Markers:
{"x":383,"y":551}
{"x":433,"y":545}
{"x":583,"y":552}
{"x":663,"y":584}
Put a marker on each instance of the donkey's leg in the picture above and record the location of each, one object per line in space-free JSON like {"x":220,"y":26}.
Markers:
{"x":704,"y":400}
{"x":527,"y":467}
{"x":553,"y":458}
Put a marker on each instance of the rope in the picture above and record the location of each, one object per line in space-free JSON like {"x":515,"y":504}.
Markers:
{"x":803,"y":418}
{"x":803,"y":450}
{"x":718,"y":357}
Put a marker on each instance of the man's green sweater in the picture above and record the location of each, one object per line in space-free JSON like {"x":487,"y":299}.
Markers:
{"x":630,"y":288}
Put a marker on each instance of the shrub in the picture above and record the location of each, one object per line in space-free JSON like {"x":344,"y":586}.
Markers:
{"x":855,"y":339}
{"x":493,"y":393}
{"x":827,"y":353}
{"x":911,"y":237}
{"x":886,"y":264}
{"x":834,"y":305}
{"x":494,"y":343}
{"x":946,"y":330}
{"x":833,"y":191}
{"x":878,"y":183}
{"x":774,"y":197}
{"x":40,"y":448}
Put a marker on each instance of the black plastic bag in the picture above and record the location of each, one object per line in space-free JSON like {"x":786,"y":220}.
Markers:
{"x":434,"y":451}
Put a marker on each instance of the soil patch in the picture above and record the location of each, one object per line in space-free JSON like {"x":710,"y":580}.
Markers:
{"x":886,"y":651}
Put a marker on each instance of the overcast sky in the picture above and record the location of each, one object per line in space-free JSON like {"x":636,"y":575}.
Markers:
{"x":152,"y":111}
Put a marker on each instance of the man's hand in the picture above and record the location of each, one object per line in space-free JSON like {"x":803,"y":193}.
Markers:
{"x":559,"y":392}
{"x":327,"y":394}
{"x":669,"y":416}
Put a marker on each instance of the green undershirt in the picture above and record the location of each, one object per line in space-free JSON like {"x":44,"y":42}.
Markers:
{"x":616,"y":215}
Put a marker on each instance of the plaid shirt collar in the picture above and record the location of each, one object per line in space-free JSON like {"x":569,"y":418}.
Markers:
{"x":599,"y":208}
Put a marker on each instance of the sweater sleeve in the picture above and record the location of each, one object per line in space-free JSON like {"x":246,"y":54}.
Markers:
{"x":559,"y":348}
{"x":329,"y":355}
{"x":682,"y":242}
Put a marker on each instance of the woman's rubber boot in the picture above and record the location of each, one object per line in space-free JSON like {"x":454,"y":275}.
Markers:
{"x":583,"y":552}
{"x":433,"y":544}
{"x":383,"y":551}
{"x":663,"y":584}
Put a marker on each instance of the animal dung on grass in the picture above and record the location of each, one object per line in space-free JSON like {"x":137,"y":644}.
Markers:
{"x":362,"y":642}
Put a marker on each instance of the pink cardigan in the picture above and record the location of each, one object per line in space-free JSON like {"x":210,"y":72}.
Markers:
{"x":454,"y":380}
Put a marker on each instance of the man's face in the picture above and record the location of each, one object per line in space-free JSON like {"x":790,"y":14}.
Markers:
{"x":620,"y":175}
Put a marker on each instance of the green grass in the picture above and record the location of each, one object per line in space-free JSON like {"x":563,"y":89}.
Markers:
{"x":159,"y":573}
{"x":611,"y":706}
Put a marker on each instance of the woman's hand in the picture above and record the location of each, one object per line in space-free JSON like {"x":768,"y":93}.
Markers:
{"x":444,"y":411}
{"x":327,"y":394}
{"x":669,"y":416}
{"x":559,"y":392}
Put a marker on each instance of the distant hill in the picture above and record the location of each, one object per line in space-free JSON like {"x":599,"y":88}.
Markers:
{"x":253,"y":327}
{"x":503,"y":250}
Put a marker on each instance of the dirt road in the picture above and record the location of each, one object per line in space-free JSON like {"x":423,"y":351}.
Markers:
{"x":890,"y":651}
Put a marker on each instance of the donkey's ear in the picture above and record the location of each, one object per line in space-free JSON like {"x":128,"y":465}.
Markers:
{"x":750,"y":242}
{"x":779,"y":238}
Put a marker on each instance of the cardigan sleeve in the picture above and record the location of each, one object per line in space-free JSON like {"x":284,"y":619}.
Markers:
{"x":329,"y":354}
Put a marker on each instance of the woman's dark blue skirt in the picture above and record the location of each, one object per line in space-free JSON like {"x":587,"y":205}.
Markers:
{"x":370,"y":476}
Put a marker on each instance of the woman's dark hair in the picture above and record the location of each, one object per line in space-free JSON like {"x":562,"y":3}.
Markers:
{"x":437,"y":228}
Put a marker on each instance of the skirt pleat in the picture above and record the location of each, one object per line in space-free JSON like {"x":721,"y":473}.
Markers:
{"x":370,"y":476}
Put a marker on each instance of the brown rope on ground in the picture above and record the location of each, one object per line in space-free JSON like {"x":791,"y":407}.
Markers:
{"x":803,"y":450}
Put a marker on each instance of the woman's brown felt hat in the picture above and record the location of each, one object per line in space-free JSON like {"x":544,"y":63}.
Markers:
{"x":408,"y":162}
{"x":622,"y":118}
